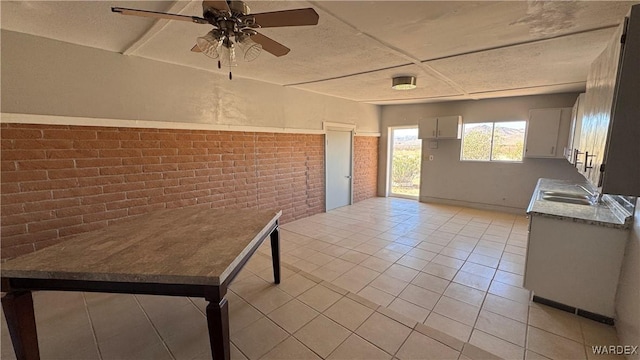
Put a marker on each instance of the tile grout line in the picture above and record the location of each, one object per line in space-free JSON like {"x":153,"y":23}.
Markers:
{"x":413,"y":247}
{"x":504,"y":251}
{"x":526,"y":326}
{"x":285,"y":330}
{"x":404,"y":342}
{"x":352,"y":332}
{"x":584,"y":340}
{"x":412,"y":330}
{"x":441,"y":295}
{"x":451,"y":216}
{"x":485,"y":298}
{"x":164,"y":344}
{"x":196,"y":306}
{"x":271,"y":320}
{"x":485,"y":292}
{"x":526,"y":332}
{"x":93,"y":330}
{"x":460,"y":269}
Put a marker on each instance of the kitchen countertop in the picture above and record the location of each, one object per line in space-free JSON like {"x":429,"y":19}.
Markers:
{"x":607,"y":213}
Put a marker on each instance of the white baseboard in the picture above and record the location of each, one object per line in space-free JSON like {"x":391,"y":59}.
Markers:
{"x":473,"y":205}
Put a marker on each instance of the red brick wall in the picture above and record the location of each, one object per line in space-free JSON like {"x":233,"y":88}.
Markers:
{"x":63,"y":180}
{"x":365,"y":175}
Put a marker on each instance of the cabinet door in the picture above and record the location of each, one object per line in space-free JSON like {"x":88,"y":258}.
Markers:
{"x":428,"y":128}
{"x":576,"y":129}
{"x":601,"y":82}
{"x":622,"y":173}
{"x":449,"y":127}
{"x":542,"y":133}
{"x":568,"y":151}
{"x":575,"y":264}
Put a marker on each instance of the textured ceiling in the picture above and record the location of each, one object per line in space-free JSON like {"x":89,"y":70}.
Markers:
{"x":457,"y":49}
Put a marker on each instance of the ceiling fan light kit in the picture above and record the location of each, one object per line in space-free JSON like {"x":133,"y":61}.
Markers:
{"x":227,"y":51}
{"x":404,"y":83}
{"x":209,"y":44}
{"x":250,"y":48}
{"x":234,"y":29}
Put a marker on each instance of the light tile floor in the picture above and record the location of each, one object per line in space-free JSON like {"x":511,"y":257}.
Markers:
{"x":454,"y":269}
{"x":381,"y":279}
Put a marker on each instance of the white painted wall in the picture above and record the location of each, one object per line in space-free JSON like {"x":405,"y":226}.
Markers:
{"x":628,"y":295}
{"x":49,"y":77}
{"x":480,"y":184}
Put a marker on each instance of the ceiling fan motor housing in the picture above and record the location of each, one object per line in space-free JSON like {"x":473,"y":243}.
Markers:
{"x":236,"y":8}
{"x":239,"y":8}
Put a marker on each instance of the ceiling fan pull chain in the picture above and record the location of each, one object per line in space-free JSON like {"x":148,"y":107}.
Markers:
{"x":231,"y":60}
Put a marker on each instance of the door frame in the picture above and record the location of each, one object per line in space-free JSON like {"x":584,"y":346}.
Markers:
{"x":388,"y":192}
{"x":335,"y":126}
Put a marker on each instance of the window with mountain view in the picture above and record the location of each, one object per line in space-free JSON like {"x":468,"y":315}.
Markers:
{"x":493,"y":141}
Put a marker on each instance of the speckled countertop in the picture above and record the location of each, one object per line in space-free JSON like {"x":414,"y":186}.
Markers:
{"x":192,"y":245}
{"x":607,"y":213}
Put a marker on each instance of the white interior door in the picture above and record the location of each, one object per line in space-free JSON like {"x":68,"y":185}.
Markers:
{"x":338,"y":168}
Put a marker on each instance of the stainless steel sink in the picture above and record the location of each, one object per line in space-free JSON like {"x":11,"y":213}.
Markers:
{"x":565,"y":195}
{"x":567,"y":199}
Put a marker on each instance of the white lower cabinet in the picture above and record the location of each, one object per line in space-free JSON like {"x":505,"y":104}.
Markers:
{"x":574,"y":263}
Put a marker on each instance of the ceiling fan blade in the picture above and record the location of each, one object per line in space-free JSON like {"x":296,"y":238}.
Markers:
{"x":158,"y":15}
{"x":270,"y":45}
{"x":195,"y":48}
{"x":220,"y":5}
{"x":297,"y":17}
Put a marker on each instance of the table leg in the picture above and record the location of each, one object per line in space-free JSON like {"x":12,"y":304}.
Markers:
{"x":18,"y":310}
{"x":275,"y":254}
{"x":218,"y":322}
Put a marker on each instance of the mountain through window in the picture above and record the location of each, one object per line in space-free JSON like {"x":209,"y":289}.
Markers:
{"x":493,"y":141}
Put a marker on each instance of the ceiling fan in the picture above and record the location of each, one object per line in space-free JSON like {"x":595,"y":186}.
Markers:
{"x":234,"y":29}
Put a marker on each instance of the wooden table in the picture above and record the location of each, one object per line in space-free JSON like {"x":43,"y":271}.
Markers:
{"x":192,"y":252}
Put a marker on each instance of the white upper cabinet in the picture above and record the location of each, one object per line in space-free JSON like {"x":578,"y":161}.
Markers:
{"x":571,"y":151}
{"x":547,"y":132}
{"x":609,"y":142}
{"x":441,"y":127}
{"x":428,"y":128}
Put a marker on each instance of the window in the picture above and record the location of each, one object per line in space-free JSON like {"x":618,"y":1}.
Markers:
{"x":493,"y":141}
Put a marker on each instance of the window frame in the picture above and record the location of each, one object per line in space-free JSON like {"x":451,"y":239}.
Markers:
{"x":493,"y":128}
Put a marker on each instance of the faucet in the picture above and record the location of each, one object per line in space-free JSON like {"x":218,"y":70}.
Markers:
{"x":595,"y":196}
{"x":591,"y":193}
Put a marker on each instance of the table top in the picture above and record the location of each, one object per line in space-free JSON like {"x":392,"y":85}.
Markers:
{"x":191,"y":246}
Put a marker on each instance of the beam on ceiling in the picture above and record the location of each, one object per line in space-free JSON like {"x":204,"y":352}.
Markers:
{"x":472,"y":96}
{"x":349,"y":75}
{"x":516,"y":44}
{"x":423,"y":63}
{"x":426,"y":68}
{"x":581,"y":83}
{"x":157,"y":26}
{"x":527,"y":42}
